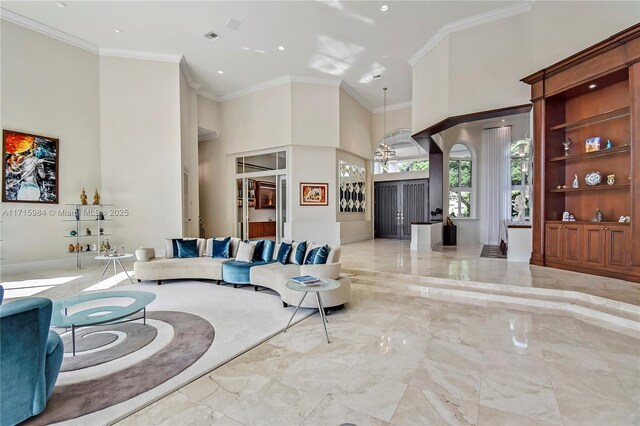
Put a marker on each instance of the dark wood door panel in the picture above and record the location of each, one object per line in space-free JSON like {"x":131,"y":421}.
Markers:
{"x":616,"y":247}
{"x":553,"y":243}
{"x":593,"y":244}
{"x":572,"y":244}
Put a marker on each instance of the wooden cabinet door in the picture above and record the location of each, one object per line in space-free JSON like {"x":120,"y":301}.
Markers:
{"x":572,"y":244}
{"x":616,"y":244}
{"x":593,"y":243}
{"x":553,"y":243}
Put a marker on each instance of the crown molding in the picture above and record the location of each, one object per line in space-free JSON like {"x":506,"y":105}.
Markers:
{"x":393,"y":107}
{"x":344,"y":86}
{"x":256,"y":88}
{"x":132,"y":54}
{"x":187,"y":75}
{"x":23,"y":21}
{"x":208,"y":95}
{"x":473,"y":21}
{"x":314,"y":80}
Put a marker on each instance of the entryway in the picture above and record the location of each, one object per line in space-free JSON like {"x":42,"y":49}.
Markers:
{"x":397,"y":204}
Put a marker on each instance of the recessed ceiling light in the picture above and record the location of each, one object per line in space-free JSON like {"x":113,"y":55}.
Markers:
{"x":593,"y":86}
{"x":245,"y":48}
{"x":61,"y":4}
{"x":281,"y":48}
{"x":117,"y":30}
{"x":220,"y":72}
{"x":384,"y":8}
{"x":258,"y":50}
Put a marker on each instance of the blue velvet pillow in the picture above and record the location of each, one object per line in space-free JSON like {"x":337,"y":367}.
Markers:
{"x":283,"y":253}
{"x":311,"y":256}
{"x":220,"y":249}
{"x":298,"y":257}
{"x":187,"y":248}
{"x":174,"y":245}
{"x":257,"y":253}
{"x":267,"y":250}
{"x":321,"y":256}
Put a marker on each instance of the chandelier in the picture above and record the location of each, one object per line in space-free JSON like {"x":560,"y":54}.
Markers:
{"x":385,"y":152}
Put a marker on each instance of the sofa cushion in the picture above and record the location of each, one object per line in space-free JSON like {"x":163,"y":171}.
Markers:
{"x":233,"y":246}
{"x":187,"y":248}
{"x":322,"y":255}
{"x":220,"y":248}
{"x":298,"y":251}
{"x":267,"y":250}
{"x":161,"y":268}
{"x":273,"y":275}
{"x":311,"y":255}
{"x":245,"y":252}
{"x":283,"y":253}
{"x":238,"y":272}
{"x":171,"y":246}
{"x":257,"y":253}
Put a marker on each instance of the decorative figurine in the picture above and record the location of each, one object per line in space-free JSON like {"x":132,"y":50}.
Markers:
{"x":611,"y":179}
{"x":88,"y":248}
{"x":77,"y":214}
{"x":101,"y":231}
{"x":96,"y":198}
{"x":88,"y":232}
{"x":566,"y":145}
{"x":575,"y":181}
{"x":519,"y":205}
{"x":609,"y":144}
{"x":83,"y":198}
{"x":100,"y":216}
{"x":71,"y":248}
{"x":73,"y":233}
{"x":624,"y":219}
{"x":77,"y":246}
{"x":102,"y":246}
{"x":597,"y":217}
{"x":559,"y":186}
{"x":565,"y":216}
{"x":94,"y":247}
{"x":592,"y":144}
{"x":107,"y":245}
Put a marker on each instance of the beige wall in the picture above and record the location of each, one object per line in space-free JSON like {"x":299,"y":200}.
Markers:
{"x":396,"y":119}
{"x":189,"y":157}
{"x":479,"y":68}
{"x":141,"y":149}
{"x":315,"y":115}
{"x":208,"y":114}
{"x":355,"y":127}
{"x":49,"y":88}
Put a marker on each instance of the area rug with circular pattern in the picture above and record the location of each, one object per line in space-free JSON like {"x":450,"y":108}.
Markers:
{"x":191,"y":328}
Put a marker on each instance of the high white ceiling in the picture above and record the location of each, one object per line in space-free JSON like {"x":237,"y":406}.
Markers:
{"x":349,"y":41}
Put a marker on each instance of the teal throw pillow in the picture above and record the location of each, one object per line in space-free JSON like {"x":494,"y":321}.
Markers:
{"x":321,"y":256}
{"x":187,"y":248}
{"x":220,"y":249}
{"x":267,"y":250}
{"x":301,"y":249}
{"x":283,"y":253}
{"x":311,"y":256}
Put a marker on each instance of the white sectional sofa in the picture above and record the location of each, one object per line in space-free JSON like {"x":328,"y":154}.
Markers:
{"x":272,"y":275}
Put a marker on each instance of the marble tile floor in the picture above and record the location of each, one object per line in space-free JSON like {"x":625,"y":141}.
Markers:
{"x":463,"y":262}
{"x":406,"y":360}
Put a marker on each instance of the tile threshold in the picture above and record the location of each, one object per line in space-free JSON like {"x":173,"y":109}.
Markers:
{"x":623,"y":317}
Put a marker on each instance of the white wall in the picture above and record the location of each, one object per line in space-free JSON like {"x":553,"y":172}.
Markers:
{"x":189,"y":156}
{"x":396,"y":119}
{"x":208,"y":114}
{"x":49,"y":88}
{"x":479,"y":68}
{"x":355,"y":127}
{"x":141,"y":149}
{"x":315,"y":115}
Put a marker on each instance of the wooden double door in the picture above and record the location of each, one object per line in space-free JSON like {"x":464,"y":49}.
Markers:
{"x":587,"y":245}
{"x":397,"y":204}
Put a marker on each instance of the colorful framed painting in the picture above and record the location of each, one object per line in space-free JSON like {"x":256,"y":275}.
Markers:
{"x":314,"y":194}
{"x":30,"y":164}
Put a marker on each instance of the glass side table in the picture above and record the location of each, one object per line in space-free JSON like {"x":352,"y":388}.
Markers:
{"x":325,"y":284}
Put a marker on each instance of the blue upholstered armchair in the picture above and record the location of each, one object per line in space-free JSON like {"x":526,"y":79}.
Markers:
{"x":30,"y":358}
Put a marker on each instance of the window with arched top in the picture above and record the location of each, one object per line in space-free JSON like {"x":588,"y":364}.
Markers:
{"x":460,"y":181}
{"x":408,"y":155}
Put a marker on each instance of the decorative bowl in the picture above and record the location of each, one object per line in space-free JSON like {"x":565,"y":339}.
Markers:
{"x":593,"y":178}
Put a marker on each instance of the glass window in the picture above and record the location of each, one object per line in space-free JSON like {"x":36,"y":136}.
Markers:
{"x":460,"y":181}
{"x":260,"y":163}
{"x":520,"y":174}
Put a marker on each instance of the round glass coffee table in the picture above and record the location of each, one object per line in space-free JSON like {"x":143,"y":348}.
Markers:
{"x":99,"y":313}
{"x":324,"y":284}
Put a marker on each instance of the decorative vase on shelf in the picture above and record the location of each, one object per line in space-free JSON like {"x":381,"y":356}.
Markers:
{"x":575,"y":183}
{"x":73,"y":233}
{"x":83,"y":198}
{"x":77,"y":246}
{"x":94,"y":247}
{"x":71,"y":248}
{"x":88,"y":232}
{"x":107,"y":245}
{"x":77,"y":214}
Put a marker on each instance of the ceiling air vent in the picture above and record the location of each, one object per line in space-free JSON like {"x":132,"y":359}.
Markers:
{"x":377,"y":77}
{"x":212,"y":36}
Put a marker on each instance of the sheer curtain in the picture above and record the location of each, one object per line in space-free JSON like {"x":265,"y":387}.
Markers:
{"x":495,"y":183}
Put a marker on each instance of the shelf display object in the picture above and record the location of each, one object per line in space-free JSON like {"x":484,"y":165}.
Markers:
{"x":84,"y":218}
{"x":578,"y":103}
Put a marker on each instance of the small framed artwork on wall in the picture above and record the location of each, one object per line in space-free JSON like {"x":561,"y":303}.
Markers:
{"x":314,"y":194}
{"x":30,"y":168}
